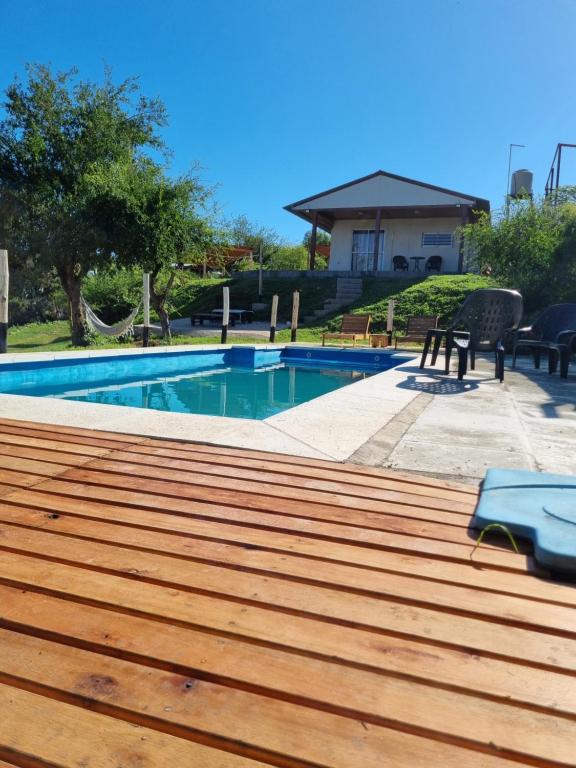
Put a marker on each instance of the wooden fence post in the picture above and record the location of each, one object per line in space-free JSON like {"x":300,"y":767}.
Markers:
{"x":4,"y":282}
{"x":295,"y":307}
{"x":273,"y":317}
{"x":146,"y":305}
{"x":390,"y":320}
{"x":225,"y":314}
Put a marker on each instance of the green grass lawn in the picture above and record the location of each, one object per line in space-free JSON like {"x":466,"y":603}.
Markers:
{"x":55,"y":337}
{"x":438,"y":295}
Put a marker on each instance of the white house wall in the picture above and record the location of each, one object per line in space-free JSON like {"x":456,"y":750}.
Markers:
{"x":402,"y":237}
{"x":382,"y":191}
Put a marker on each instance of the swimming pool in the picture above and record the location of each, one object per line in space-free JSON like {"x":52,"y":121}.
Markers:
{"x":241,"y":382}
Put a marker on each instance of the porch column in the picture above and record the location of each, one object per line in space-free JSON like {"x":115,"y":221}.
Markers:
{"x":312,"y":245}
{"x":377,"y":239}
{"x":464,"y":219}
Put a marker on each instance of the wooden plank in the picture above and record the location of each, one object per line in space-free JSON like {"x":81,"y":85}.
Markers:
{"x":88,"y":435}
{"x":346,"y":571}
{"x":50,"y":455}
{"x":322,"y":599}
{"x":182,"y":483}
{"x":190,"y":499}
{"x":238,"y":663}
{"x":74,"y":449}
{"x":33,"y":466}
{"x":278,"y":731}
{"x":76,"y":738}
{"x":303,"y":633}
{"x":64,"y":437}
{"x":348,"y":467}
{"x":19,"y":479}
{"x":257,"y":529}
{"x":338,"y":474}
{"x":263,"y":474}
{"x":5,"y":490}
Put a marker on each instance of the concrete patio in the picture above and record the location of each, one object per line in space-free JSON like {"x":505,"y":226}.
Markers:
{"x":460,"y":429}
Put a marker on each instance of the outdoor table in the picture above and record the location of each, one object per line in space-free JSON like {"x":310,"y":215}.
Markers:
{"x":240,"y":315}
{"x":417,"y":260}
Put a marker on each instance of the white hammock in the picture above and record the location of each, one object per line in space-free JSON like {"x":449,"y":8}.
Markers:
{"x":119,"y":329}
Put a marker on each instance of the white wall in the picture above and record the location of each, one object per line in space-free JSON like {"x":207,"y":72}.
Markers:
{"x":401,"y":236}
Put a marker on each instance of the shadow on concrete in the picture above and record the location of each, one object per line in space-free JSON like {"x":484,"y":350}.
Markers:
{"x":557,"y":393}
{"x":435,"y":384}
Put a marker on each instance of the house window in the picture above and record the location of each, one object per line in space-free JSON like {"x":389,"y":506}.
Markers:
{"x":363,"y":250}
{"x":437,"y":239}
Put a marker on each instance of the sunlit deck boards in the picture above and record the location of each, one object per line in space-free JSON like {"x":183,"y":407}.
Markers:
{"x":173,"y":604}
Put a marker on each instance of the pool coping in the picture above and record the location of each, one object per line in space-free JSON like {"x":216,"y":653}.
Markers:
{"x":332,"y":426}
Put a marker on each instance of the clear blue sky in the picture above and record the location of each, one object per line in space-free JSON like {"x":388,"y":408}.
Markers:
{"x":280,"y":99}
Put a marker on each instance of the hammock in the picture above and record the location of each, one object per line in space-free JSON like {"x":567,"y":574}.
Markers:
{"x":119,"y":329}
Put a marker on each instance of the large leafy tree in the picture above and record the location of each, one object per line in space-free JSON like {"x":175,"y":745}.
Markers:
{"x":58,"y":135}
{"x":155,"y":222}
{"x":531,"y":247}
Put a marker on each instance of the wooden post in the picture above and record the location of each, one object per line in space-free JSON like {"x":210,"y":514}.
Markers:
{"x":464,"y":219}
{"x":260,"y":273}
{"x":225,"y":314}
{"x":390,"y":320}
{"x":273,"y":317}
{"x":146,"y":305}
{"x":295,"y":307}
{"x":377,"y":239}
{"x":312,"y":247}
{"x":4,"y":284}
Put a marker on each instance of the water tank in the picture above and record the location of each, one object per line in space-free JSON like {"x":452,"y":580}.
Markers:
{"x":521,"y":183}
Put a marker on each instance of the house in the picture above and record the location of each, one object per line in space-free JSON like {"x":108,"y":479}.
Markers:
{"x":378,"y":217}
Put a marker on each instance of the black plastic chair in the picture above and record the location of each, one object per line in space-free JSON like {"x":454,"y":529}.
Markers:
{"x":554,"y":330}
{"x":400,"y":264}
{"x":482,"y":324}
{"x":434,"y":264}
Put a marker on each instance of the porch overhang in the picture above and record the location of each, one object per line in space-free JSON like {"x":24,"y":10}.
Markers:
{"x":326,"y":217}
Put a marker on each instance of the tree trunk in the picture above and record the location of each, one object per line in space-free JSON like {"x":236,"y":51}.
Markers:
{"x":158,"y":300}
{"x":71,"y":280}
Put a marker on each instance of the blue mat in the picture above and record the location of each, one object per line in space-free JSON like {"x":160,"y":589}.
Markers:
{"x":536,"y":506}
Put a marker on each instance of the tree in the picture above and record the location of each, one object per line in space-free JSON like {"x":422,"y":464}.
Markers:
{"x":155,"y":223}
{"x":322,"y":238}
{"x":58,"y":134}
{"x":533,"y":249}
{"x":245,"y":234}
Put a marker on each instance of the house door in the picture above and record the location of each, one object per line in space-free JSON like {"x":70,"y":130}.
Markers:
{"x":363,"y":250}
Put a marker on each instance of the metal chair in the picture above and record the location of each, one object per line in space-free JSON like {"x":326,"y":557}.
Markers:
{"x":400,"y":264}
{"x":481,"y":324}
{"x":434,"y":264}
{"x":553,"y":330}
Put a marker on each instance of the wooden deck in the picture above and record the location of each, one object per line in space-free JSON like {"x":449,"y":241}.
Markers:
{"x":179,"y":605}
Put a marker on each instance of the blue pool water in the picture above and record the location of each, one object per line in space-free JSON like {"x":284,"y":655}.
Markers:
{"x":243,"y":382}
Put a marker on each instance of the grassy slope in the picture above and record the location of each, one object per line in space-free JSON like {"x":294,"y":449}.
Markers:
{"x":428,"y":296}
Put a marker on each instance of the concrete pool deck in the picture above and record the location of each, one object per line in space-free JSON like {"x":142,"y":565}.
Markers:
{"x":403,"y":419}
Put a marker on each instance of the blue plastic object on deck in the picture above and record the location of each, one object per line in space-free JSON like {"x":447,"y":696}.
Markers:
{"x":536,"y":506}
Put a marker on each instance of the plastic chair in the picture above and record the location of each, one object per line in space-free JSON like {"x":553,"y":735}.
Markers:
{"x":553,"y":330}
{"x":400,"y":264}
{"x":434,"y":264}
{"x":481,"y":324}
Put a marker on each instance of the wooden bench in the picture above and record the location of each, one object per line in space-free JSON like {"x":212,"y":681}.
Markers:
{"x":418,"y":326}
{"x":354,"y":327}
